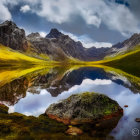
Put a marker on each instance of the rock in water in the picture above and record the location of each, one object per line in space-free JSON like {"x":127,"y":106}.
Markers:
{"x":137,"y":119}
{"x":125,"y":105}
{"x":84,"y":108}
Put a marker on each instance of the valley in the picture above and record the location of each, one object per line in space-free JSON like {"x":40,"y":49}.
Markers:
{"x":54,"y":87}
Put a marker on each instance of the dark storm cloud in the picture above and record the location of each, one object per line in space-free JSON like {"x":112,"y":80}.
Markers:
{"x":135,"y":7}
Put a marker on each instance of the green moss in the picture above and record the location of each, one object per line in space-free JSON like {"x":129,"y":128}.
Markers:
{"x":87,"y":97}
{"x":18,"y":126}
{"x":107,"y":112}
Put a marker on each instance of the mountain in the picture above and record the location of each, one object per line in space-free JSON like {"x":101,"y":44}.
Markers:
{"x":70,"y":48}
{"x":125,"y":55}
{"x":54,"y":33}
{"x":75,"y":49}
{"x":58,"y":46}
{"x":125,"y":46}
{"x":46,"y":46}
{"x":96,"y":54}
{"x":12,"y":36}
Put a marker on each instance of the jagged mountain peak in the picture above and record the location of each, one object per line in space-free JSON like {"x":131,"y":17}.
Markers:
{"x":135,"y":35}
{"x":8,"y":23}
{"x":54,"y":33}
{"x":12,"y":36}
{"x":125,"y":46}
{"x":132,"y":41}
{"x":11,"y":27}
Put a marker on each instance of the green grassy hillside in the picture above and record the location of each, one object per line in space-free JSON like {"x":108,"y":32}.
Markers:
{"x":15,"y":58}
{"x":129,"y":62}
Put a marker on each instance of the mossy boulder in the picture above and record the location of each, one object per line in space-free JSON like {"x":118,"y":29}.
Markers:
{"x":84,"y":108}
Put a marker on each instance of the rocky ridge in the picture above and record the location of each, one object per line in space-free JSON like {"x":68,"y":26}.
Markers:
{"x":12,"y":36}
{"x":59,"y":46}
{"x":125,"y":46}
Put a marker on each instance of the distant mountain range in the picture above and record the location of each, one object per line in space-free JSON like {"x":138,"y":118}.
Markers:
{"x":58,"y":46}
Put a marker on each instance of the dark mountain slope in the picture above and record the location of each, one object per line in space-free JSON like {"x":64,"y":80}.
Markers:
{"x":58,"y":46}
{"x":54,"y":33}
{"x":46,"y":46}
{"x":12,"y":36}
{"x":75,"y":49}
{"x":125,"y":46}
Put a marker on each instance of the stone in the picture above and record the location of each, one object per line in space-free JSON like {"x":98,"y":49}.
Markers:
{"x":137,"y":119}
{"x":84,"y":108}
{"x":74,"y":131}
{"x":125,"y":105}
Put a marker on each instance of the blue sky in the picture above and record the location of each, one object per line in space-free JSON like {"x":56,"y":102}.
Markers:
{"x":93,"y":22}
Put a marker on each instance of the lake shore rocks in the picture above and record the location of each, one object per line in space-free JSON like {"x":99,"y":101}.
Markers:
{"x":84,"y":108}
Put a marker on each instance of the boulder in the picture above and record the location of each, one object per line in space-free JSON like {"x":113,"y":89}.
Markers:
{"x":125,"y":105}
{"x":74,"y":131}
{"x":137,"y":119}
{"x":84,"y":108}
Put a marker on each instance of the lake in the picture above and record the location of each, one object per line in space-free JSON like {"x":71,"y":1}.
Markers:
{"x":31,"y":91}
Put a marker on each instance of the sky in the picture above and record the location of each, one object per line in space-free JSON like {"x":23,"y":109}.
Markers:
{"x":99,"y":23}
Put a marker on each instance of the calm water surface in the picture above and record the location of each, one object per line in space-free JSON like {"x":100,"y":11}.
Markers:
{"x":32,"y":94}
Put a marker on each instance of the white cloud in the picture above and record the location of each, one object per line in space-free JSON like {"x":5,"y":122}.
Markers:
{"x":94,"y":12}
{"x":25,"y":8}
{"x":4,"y":12}
{"x":88,"y":42}
{"x":90,"y":17}
{"x":119,"y":17}
{"x":43,"y":34}
{"x":97,"y":44}
{"x":114,"y":16}
{"x":57,"y":11}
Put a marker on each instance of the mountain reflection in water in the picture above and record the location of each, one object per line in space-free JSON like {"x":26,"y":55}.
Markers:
{"x":30,"y":92}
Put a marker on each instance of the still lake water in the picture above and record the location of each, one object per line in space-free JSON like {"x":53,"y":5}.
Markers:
{"x":31,"y":94}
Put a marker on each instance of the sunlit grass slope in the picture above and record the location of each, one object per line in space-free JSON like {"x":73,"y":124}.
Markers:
{"x":12,"y":57}
{"x":129,"y":63}
{"x":131,"y":55}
